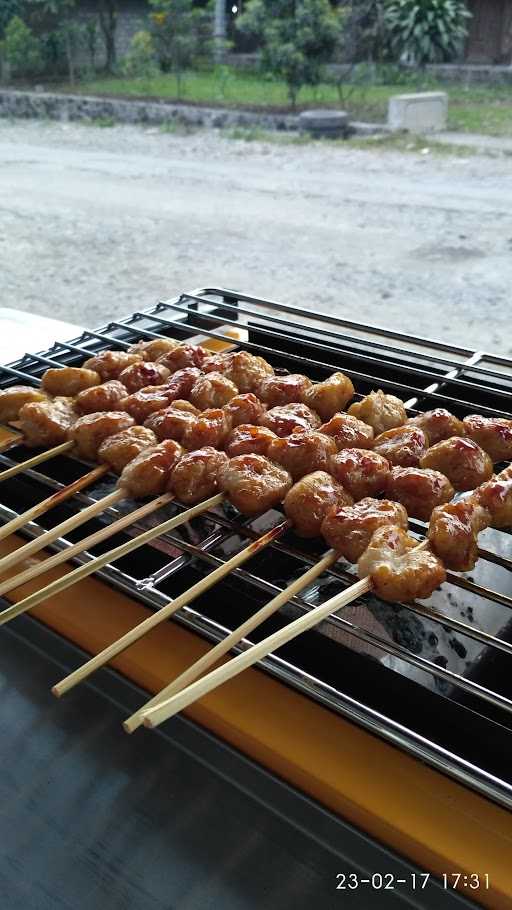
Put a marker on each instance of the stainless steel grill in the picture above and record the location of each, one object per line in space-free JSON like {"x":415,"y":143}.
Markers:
{"x":431,"y":677}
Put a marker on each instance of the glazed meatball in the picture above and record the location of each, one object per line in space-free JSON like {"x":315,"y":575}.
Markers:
{"x":300,"y":453}
{"x":182,"y":382}
{"x":253,"y":483}
{"x":380,"y":411}
{"x":463,"y":462}
{"x":496,"y":497}
{"x":362,"y":473}
{"x":144,"y":402}
{"x":154,"y":348}
{"x":438,"y":424}
{"x":349,"y":530}
{"x":245,"y":370}
{"x":402,"y":446}
{"x":210,"y":428}
{"x":46,"y":423}
{"x":289,"y":418}
{"x":105,"y":397}
{"x":13,"y":399}
{"x":118,"y":450}
{"x":453,"y":532}
{"x":148,"y":474}
{"x":89,"y":431}
{"x":244,"y":408}
{"x":172,"y":422}
{"x":310,"y":499}
{"x":330,"y":396}
{"x":212,"y":390}
{"x":398,"y":570}
{"x":419,"y":490}
{"x":69,"y":381}
{"x":279,"y":390}
{"x":493,"y":435}
{"x":109,"y":364}
{"x":247,"y":439}
{"x":195,"y":477}
{"x":142,"y":374}
{"x":184,"y":355}
{"x":348,"y":432}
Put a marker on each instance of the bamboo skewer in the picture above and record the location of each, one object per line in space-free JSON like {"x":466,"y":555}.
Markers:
{"x":60,"y":530}
{"x":35,"y":460}
{"x":55,"y":499}
{"x":166,"y":709}
{"x":211,"y":657}
{"x":86,"y":544}
{"x":168,"y":610}
{"x":9,"y":443}
{"x":60,"y":584}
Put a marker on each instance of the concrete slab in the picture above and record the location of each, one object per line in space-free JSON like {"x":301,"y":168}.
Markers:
{"x":419,"y":113}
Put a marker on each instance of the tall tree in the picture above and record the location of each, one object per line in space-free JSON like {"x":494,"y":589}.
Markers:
{"x":107,"y":15}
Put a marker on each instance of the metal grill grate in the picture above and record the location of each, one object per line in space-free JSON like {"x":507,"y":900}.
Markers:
{"x":447,"y":651}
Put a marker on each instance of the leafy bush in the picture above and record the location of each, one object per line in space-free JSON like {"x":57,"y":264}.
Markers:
{"x":140,"y":59}
{"x":298,"y":37}
{"x":8,"y":9}
{"x":425,"y":31}
{"x":21,"y":49}
{"x":176,"y":31}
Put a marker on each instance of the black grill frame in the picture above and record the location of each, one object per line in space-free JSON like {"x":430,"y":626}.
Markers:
{"x":471,"y":373}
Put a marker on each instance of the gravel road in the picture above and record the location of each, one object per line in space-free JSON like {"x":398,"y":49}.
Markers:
{"x":97,"y":222}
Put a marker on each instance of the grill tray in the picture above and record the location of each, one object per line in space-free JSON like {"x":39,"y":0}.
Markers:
{"x":433,"y":678}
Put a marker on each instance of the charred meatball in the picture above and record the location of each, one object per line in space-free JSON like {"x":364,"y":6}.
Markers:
{"x":118,"y":450}
{"x":105,"y":397}
{"x":284,"y":420}
{"x":172,"y":422}
{"x":247,"y":439}
{"x":348,"y":432}
{"x":402,"y":446}
{"x":380,"y":411}
{"x":496,"y":497}
{"x":362,"y":473}
{"x":245,"y":370}
{"x":253,"y":483}
{"x":493,"y":435}
{"x":419,"y":490}
{"x":13,"y":399}
{"x":301,"y":453}
{"x":463,"y":462}
{"x":184,"y":355}
{"x":398,"y":570}
{"x":310,"y":499}
{"x":212,"y":390}
{"x":89,"y":431}
{"x":349,"y":530}
{"x":279,"y":390}
{"x":154,"y":348}
{"x":142,"y":374}
{"x":210,"y":428}
{"x":453,"y":532}
{"x":244,"y":408}
{"x":46,"y":423}
{"x":148,"y":474}
{"x":438,"y":424}
{"x":109,"y":364}
{"x":330,"y":396}
{"x":195,"y":477}
{"x":69,"y":381}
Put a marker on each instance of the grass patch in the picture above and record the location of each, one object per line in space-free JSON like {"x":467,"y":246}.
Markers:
{"x":479,"y":109}
{"x":101,"y":122}
{"x":178,"y":128}
{"x":255,"y":134}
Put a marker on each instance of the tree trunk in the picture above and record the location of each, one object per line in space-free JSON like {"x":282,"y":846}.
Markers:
{"x":108,"y":24}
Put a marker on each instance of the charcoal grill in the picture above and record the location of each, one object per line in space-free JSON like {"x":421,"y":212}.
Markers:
{"x":432,"y":678}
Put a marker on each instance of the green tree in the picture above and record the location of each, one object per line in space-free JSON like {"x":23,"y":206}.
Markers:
{"x":425,"y":31}
{"x":21,"y":48}
{"x":8,"y":9}
{"x":176,"y":30}
{"x":108,"y":24}
{"x":298,"y":38}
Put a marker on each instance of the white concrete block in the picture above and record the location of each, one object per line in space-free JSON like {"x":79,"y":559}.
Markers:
{"x":423,"y":112}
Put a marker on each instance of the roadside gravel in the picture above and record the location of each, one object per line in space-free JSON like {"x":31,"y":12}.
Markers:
{"x":96,"y":222}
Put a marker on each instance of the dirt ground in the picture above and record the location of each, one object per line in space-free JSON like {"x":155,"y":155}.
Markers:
{"x":96,"y":222}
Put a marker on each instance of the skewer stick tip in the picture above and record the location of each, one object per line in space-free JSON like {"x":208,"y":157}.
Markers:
{"x":56,"y":691}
